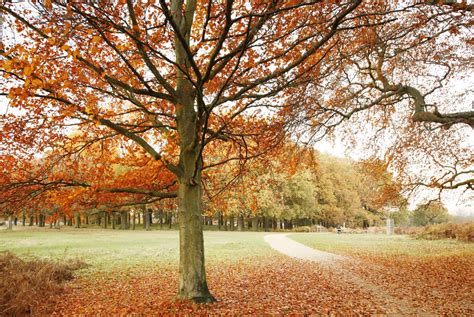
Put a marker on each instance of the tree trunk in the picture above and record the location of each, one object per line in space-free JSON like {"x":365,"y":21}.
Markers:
{"x":23,"y":219}
{"x":113,"y":220}
{"x":255,"y":224}
{"x":133,"y":220}
{"x":78,"y":221}
{"x":32,"y":219}
{"x":124,"y":220}
{"x":146,"y":219}
{"x":150,"y":215}
{"x":240,"y":223}
{"x":192,"y":278}
{"x":10,"y":223}
{"x":189,"y":118}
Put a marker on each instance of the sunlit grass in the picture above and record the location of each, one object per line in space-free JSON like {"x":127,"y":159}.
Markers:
{"x":115,"y":249}
{"x":120,"y":249}
{"x":382,"y":245}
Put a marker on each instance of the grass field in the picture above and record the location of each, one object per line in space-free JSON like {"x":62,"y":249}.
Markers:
{"x":381,"y":245}
{"x":114,"y":249}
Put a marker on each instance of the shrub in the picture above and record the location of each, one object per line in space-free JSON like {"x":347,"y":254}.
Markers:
{"x":24,"y":284}
{"x":377,"y":230}
{"x":407,"y":230}
{"x":461,"y":232}
{"x":302,"y":229}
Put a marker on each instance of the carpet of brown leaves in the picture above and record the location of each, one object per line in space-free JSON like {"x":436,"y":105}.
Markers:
{"x":277,"y":286}
{"x":442,"y":285}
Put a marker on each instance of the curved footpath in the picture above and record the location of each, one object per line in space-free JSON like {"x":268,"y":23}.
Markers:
{"x":287,"y":246}
{"x":338,"y":264}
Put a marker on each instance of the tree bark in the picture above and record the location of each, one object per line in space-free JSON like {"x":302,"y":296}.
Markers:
{"x":255,"y":224}
{"x":265,"y":223}
{"x":190,"y":117}
{"x":10,"y":222}
{"x":192,"y":278}
{"x":150,"y":215}
{"x":240,"y":223}
{"x":78,"y":221}
{"x":124,"y":220}
{"x":147,"y":219}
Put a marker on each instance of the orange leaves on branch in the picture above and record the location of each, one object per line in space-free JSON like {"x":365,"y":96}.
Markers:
{"x":48,"y":5}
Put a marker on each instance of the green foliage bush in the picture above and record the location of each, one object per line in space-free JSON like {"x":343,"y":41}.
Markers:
{"x":461,"y":232}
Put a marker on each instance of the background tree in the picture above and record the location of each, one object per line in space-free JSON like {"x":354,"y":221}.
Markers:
{"x":430,"y":213}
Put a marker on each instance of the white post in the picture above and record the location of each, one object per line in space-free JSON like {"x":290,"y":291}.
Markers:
{"x":390,"y":225}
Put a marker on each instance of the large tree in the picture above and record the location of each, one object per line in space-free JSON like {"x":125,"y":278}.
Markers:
{"x":173,"y":78}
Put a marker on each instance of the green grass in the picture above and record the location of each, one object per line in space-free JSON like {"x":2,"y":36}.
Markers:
{"x":382,"y":245}
{"x":114,"y":249}
{"x":117,"y":249}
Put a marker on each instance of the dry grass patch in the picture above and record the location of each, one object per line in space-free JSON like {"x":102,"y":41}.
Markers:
{"x":462,"y":232}
{"x":25,"y":284}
